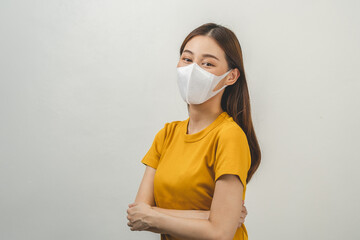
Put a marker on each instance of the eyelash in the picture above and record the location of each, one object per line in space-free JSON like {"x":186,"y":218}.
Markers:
{"x":207,"y":62}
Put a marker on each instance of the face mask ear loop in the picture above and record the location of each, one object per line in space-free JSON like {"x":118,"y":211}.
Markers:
{"x":227,"y":73}
{"x":222,"y":77}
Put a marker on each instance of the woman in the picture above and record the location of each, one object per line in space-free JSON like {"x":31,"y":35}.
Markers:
{"x":197,"y":169}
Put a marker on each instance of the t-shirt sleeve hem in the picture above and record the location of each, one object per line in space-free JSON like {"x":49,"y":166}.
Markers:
{"x":150,"y":162}
{"x":219,"y":174}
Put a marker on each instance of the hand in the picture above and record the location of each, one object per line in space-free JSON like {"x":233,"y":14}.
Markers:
{"x":243,"y":215}
{"x":139,"y":215}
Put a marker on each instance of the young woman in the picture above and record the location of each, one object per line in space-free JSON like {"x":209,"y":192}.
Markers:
{"x":197,"y":169}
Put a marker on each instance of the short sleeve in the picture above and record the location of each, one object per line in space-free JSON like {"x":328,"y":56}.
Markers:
{"x":152,"y":157}
{"x":232,"y":154}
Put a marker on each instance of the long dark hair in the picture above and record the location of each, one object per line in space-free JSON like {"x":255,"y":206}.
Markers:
{"x":235,"y":99}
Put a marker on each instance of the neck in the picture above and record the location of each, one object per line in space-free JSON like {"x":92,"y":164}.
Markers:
{"x":202,"y":115}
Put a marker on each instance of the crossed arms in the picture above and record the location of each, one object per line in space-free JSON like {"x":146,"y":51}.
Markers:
{"x":221,"y":222}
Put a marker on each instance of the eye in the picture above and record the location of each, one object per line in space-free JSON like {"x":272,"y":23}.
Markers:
{"x":185,"y":59}
{"x":209,"y":65}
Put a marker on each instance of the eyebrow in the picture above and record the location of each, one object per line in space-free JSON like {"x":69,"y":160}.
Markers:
{"x":204,"y":55}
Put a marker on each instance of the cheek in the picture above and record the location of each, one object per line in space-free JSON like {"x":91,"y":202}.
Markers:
{"x":180,"y":64}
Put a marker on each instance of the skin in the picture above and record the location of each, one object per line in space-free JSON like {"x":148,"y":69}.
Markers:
{"x":226,"y":214}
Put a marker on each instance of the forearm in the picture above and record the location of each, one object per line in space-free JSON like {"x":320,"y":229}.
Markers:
{"x":184,"y":228}
{"x":197,"y":214}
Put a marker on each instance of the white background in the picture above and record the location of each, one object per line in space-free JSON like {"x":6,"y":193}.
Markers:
{"x":86,"y":85}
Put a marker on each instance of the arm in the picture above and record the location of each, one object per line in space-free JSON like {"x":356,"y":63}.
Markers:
{"x":223,"y":220}
{"x":146,"y":189}
{"x":198,"y":214}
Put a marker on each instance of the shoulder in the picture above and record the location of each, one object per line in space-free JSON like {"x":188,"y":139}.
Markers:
{"x":230,"y":127}
{"x":173,"y":125}
{"x":169,"y":128}
{"x":230,"y":130}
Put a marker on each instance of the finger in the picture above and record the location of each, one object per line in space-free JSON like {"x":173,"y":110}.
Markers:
{"x":137,"y":225}
{"x":133,"y":228}
{"x":130,"y":209}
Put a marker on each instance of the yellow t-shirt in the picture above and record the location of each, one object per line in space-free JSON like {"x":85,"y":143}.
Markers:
{"x":187,"y":165}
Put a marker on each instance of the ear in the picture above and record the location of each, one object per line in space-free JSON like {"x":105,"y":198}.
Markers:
{"x":232,"y":76}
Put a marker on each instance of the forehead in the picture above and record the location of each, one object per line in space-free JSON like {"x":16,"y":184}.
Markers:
{"x":203,"y":44}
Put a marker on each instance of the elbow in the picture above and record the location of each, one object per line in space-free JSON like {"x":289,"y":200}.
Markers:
{"x":222,"y":237}
{"x":214,"y":233}
{"x":220,"y":234}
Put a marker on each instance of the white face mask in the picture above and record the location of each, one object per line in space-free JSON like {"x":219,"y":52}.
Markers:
{"x":196,"y":84}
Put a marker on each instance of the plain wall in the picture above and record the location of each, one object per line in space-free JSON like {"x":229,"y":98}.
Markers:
{"x":86,"y":85}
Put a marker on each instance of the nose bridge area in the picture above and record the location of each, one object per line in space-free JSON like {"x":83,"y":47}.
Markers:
{"x":198,"y":62}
